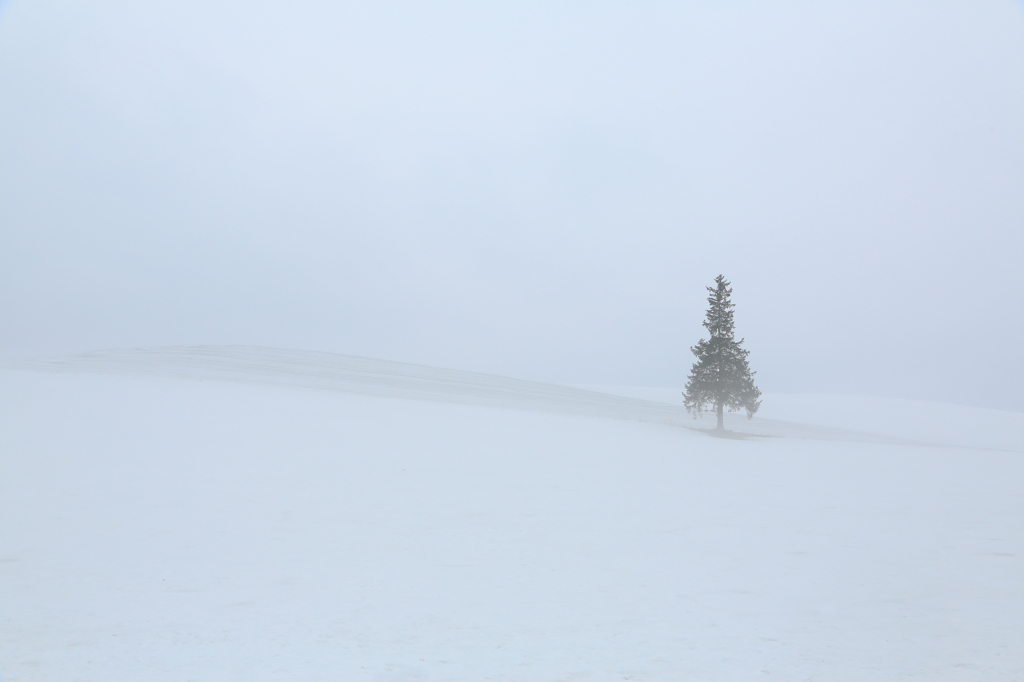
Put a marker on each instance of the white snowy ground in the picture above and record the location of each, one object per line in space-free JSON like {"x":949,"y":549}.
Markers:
{"x":245,"y":514}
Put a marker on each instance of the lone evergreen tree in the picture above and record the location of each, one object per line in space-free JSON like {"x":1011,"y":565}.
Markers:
{"x":721,"y":377}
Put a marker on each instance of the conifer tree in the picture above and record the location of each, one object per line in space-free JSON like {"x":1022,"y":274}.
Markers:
{"x":721,"y":377}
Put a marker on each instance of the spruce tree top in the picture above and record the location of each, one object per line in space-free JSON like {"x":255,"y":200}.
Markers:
{"x":719,"y":317}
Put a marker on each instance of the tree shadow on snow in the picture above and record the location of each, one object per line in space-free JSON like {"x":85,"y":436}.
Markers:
{"x":732,"y":435}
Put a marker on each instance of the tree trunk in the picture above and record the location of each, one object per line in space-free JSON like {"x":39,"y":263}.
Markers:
{"x":720,"y":410}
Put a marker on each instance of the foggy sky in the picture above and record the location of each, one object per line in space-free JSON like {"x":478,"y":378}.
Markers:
{"x":535,"y":189}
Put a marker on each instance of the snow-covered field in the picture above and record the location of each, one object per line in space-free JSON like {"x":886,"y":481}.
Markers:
{"x":251,"y":514}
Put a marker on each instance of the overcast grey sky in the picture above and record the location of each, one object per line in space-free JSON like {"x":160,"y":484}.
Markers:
{"x":538,"y":189}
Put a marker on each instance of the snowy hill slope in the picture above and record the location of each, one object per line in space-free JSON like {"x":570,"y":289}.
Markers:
{"x":351,"y":374}
{"x":159,"y":529}
{"x":851,"y":417}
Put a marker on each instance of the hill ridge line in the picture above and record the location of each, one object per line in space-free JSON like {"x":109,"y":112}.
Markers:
{"x":321,"y":370}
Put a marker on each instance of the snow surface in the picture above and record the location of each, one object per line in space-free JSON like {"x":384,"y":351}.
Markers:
{"x":289,"y":516}
{"x":850,"y":417}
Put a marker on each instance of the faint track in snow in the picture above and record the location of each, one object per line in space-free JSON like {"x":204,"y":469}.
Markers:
{"x":385,"y":378}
